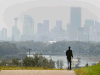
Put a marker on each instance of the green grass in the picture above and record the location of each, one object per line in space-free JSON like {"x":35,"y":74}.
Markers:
{"x":25,"y":68}
{"x":90,"y":70}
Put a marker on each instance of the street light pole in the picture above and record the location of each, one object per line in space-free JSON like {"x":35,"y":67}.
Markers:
{"x":21,"y":58}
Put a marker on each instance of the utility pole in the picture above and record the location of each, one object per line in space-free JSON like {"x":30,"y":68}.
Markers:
{"x":21,"y":58}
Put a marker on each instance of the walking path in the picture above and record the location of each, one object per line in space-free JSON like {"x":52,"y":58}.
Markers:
{"x":37,"y":72}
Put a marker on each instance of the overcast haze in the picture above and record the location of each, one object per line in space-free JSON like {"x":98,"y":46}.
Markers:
{"x":40,"y":10}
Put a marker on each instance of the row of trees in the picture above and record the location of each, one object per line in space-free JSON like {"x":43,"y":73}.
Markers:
{"x":81,"y":48}
{"x":37,"y":61}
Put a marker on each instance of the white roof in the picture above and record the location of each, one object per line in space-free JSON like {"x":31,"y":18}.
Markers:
{"x":74,"y":59}
{"x":52,"y":42}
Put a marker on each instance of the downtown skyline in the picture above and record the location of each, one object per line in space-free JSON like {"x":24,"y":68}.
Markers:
{"x":61,"y":11}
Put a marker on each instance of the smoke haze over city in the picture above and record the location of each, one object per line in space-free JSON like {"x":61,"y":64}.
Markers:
{"x":40,"y":10}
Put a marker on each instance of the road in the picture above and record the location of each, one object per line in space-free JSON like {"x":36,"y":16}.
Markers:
{"x":37,"y":72}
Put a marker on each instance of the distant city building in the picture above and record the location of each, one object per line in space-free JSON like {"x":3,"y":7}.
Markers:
{"x":59,"y":24}
{"x":44,"y":38}
{"x":58,"y":31}
{"x":46,"y":25}
{"x":95,"y":32}
{"x":68,"y":30}
{"x":88,"y":28}
{"x":85,"y":37}
{"x":89,"y":23}
{"x":28,"y":28}
{"x":40,"y":28}
{"x":80,"y":33}
{"x":75,"y":22}
{"x":15,"y":32}
{"x":3,"y":34}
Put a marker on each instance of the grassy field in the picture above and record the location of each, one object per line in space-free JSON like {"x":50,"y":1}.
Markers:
{"x":26,"y":68}
{"x":90,"y":70}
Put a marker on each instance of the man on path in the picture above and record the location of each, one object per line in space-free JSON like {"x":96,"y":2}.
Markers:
{"x":69,"y":54}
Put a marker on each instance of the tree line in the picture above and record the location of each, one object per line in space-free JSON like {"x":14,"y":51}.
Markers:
{"x":37,"y":61}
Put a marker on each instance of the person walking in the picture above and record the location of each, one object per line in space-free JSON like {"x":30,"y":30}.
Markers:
{"x":69,"y":54}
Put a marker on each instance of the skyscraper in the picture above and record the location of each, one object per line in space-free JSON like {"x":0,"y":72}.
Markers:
{"x":3,"y":34}
{"x":58,"y":27}
{"x":59,"y":24}
{"x":46,"y":25}
{"x":75,"y":21}
{"x":28,"y":28}
{"x":80,"y":33}
{"x":40,"y":28}
{"x":68,"y":30}
{"x":89,"y":23}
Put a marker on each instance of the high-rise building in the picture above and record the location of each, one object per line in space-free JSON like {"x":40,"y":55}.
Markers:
{"x":80,"y":33}
{"x":40,"y":28}
{"x":95,"y":32}
{"x":75,"y":22}
{"x":85,"y":36}
{"x":3,"y":34}
{"x":46,"y":25}
{"x":28,"y":28}
{"x":58,"y":31}
{"x":15,"y":32}
{"x":59,"y":24}
{"x":58,"y":27}
{"x":89,"y":23}
{"x":68,"y":30}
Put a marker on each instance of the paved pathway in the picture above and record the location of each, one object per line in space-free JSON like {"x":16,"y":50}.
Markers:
{"x":37,"y":72}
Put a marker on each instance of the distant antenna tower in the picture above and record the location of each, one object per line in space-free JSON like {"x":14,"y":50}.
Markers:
{"x":15,"y":21}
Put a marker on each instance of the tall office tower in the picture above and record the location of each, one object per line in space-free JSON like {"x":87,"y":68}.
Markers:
{"x":57,"y":31}
{"x":68,"y":30}
{"x":40,"y":28}
{"x":46,"y":25}
{"x":15,"y":32}
{"x":95,"y":32}
{"x":89,"y":23}
{"x":51,"y":35}
{"x":28,"y":28}
{"x":59,"y":24}
{"x":88,"y":28}
{"x":80,"y":33}
{"x":58,"y":27}
{"x":45,"y":32}
{"x":75,"y":22}
{"x":39,"y":31}
{"x":85,"y":36}
{"x":3,"y":34}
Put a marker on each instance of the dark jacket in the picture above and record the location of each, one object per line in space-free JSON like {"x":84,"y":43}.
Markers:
{"x":69,"y":54}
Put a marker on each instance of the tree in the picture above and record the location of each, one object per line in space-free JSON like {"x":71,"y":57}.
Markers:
{"x":51,"y":64}
{"x":77,"y":65}
{"x":3,"y":62}
{"x":28,"y":61}
{"x":60,"y":63}
{"x":15,"y":61}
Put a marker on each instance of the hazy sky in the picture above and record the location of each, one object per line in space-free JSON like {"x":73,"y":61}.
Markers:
{"x":45,"y":10}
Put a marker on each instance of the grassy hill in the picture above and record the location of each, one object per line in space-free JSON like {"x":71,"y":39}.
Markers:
{"x":90,"y":70}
